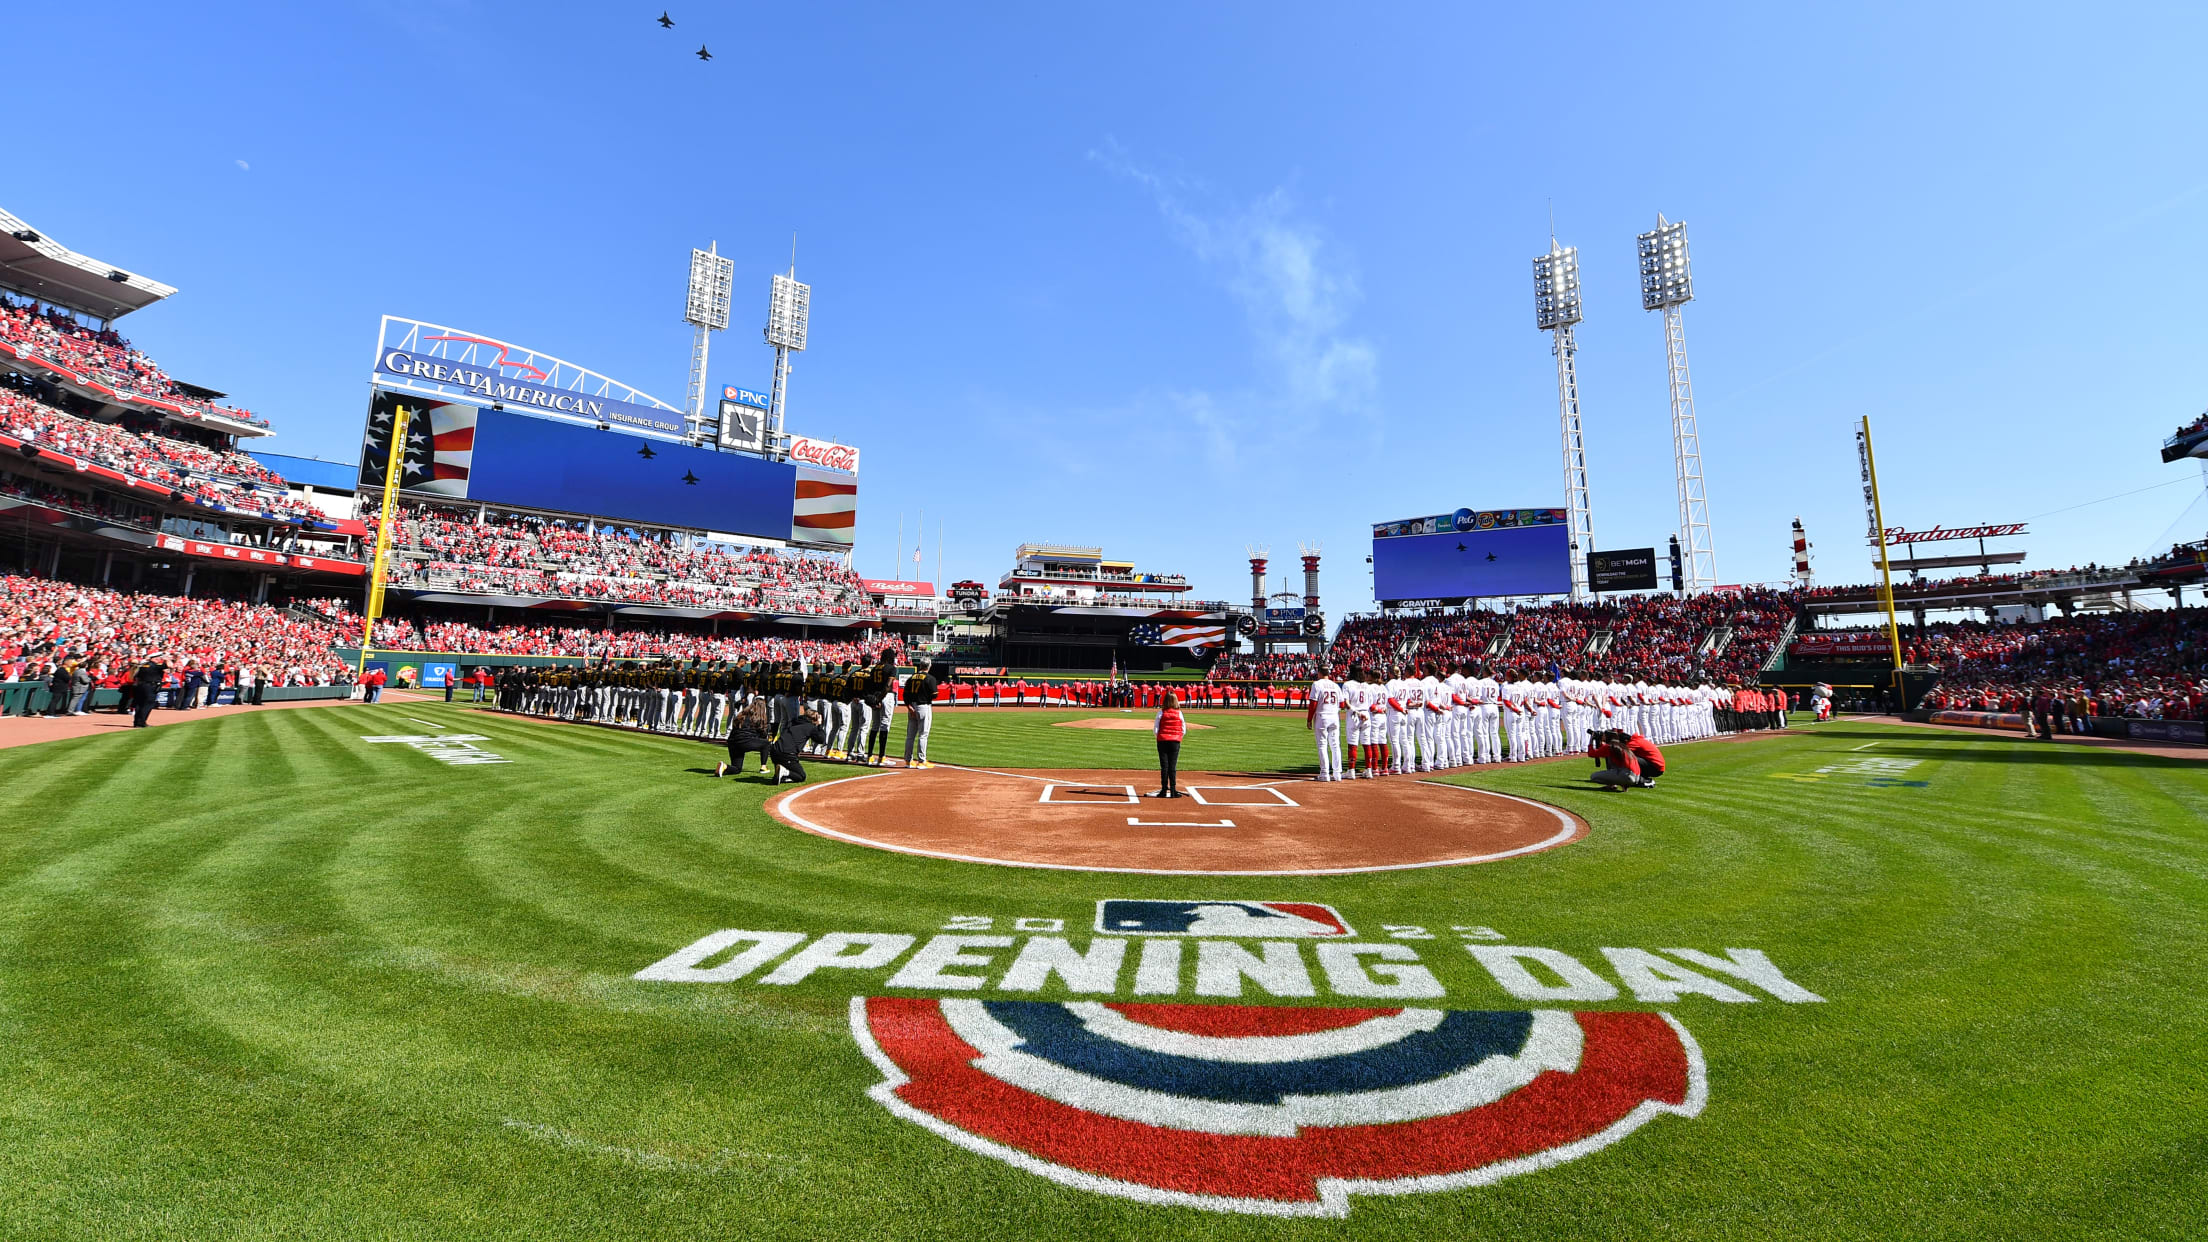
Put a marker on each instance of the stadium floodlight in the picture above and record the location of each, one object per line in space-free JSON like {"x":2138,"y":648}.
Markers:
{"x":789,"y":308}
{"x":1666,"y":280}
{"x":706,"y":310}
{"x":1667,"y":284}
{"x":1556,"y":287}
{"x":787,"y":312}
{"x":1555,"y":310}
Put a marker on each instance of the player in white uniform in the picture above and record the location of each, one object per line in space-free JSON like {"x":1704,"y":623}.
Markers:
{"x":1391,"y":758}
{"x":1358,"y":697}
{"x":1487,"y":719}
{"x":1427,"y":706}
{"x":1324,"y":715}
{"x":1456,"y":729}
{"x":1517,"y":727}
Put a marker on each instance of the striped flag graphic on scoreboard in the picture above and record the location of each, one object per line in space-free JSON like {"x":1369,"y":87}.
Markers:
{"x":1193,"y":637}
{"x":826,"y":508}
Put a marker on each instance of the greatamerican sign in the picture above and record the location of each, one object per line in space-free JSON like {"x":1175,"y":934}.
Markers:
{"x":484,"y":383}
{"x":1896,"y":534}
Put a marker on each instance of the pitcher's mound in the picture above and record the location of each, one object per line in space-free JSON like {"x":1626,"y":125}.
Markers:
{"x":1117,"y":722}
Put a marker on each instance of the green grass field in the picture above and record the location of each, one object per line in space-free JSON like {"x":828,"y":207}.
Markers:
{"x":262,"y":978}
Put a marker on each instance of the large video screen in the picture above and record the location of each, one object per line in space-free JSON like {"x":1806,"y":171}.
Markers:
{"x":465,"y":452}
{"x":1471,"y":554}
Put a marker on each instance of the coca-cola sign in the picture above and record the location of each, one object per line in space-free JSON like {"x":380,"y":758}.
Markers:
{"x":826,"y":454}
{"x":891,"y":586}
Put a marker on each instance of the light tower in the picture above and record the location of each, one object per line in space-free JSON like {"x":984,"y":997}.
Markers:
{"x":1555,"y":310}
{"x":1667,"y":285}
{"x":707,"y":311}
{"x":1314,"y":635}
{"x":788,"y":309}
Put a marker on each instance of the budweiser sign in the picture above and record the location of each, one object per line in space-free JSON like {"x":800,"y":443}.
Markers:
{"x":826,"y":454}
{"x":1896,"y":534}
{"x":891,"y":586}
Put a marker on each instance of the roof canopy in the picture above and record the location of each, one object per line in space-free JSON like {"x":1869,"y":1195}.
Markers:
{"x":34,"y":264}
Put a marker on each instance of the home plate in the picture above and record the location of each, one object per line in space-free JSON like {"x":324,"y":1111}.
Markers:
{"x":1132,"y":822}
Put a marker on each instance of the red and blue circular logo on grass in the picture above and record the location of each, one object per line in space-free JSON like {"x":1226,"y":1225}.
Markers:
{"x":1271,"y":1110}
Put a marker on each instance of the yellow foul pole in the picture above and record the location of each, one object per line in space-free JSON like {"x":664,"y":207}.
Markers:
{"x":1885,"y":567}
{"x":393,"y":471}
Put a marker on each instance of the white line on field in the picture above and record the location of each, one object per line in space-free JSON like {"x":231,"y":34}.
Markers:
{"x":1864,"y":746}
{"x":418,"y":720}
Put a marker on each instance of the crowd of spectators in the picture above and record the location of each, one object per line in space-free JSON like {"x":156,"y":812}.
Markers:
{"x":2186,"y":429}
{"x":584,"y":640}
{"x":45,"y":624}
{"x":101,"y":354}
{"x":2147,"y":664}
{"x":221,"y":478}
{"x":520,"y":554}
{"x":1656,"y":638}
{"x":69,"y":500}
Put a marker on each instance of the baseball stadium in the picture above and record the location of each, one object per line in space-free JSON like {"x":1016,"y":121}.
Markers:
{"x":479,"y":798}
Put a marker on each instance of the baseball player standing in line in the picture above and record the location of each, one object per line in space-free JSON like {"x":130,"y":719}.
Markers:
{"x":1456,"y":746}
{"x":1366,"y":705}
{"x":1391,"y":736}
{"x":1518,"y":729}
{"x":1324,"y":716}
{"x":1356,"y":710}
{"x":1433,"y":721}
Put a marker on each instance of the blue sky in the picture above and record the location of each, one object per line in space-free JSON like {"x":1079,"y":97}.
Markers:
{"x":1179,"y":278}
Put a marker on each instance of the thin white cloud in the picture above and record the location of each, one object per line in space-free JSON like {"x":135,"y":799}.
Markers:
{"x":243,"y":166}
{"x":1296,"y":294}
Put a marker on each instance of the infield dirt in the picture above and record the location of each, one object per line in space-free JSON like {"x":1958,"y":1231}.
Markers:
{"x":1230,"y":824}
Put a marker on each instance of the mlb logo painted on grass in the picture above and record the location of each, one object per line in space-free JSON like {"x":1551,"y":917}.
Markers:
{"x":1270,"y":920}
{"x":1274,"y":1111}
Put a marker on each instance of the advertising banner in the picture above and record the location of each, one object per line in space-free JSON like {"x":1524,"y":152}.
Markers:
{"x":487,"y":384}
{"x":1984,"y":720}
{"x":824,"y":454}
{"x":2167,"y":731}
{"x":1630,"y":569}
{"x":896,"y":588}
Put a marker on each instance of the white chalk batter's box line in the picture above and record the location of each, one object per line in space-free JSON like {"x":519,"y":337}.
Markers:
{"x":1281,"y":799}
{"x":1127,"y":794}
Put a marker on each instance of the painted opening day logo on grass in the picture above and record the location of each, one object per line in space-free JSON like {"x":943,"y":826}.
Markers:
{"x":1272,"y":1109}
{"x":1219,"y":918}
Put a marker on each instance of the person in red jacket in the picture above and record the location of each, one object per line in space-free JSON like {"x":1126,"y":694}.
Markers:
{"x":1629,"y":760}
{"x":1170,"y":728}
